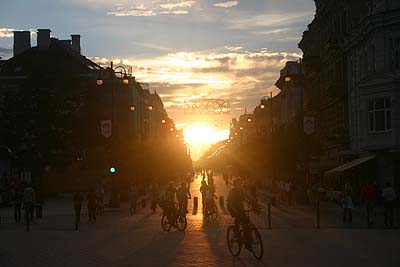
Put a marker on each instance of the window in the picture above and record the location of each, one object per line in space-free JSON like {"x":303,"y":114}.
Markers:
{"x":379,"y":115}
{"x":371,"y":66}
{"x":395,"y":45}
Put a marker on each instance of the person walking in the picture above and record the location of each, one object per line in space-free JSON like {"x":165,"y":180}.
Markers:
{"x":347,"y":204}
{"x":78,"y":198}
{"x":389,"y":198}
{"x":154,"y":198}
{"x":91,"y":199}
{"x":29,"y":202}
{"x":203,"y":191}
{"x":99,"y":200}
{"x":17,"y":203}
{"x":132,"y":194}
{"x":368,"y":198}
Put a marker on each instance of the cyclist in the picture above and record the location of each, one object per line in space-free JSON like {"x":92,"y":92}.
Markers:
{"x":210,"y":195}
{"x":183,"y":195}
{"x":236,"y":198}
{"x":169,"y":199}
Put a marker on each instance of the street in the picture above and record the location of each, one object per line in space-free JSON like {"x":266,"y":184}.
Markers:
{"x":118,"y":239}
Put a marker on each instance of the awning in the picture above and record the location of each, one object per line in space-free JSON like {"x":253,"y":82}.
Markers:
{"x":348,"y":165}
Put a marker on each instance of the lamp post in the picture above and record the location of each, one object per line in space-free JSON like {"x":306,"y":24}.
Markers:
{"x":124,"y":80}
{"x":301,"y":136}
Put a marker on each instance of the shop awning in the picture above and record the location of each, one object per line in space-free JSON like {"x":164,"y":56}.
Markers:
{"x":348,"y":165}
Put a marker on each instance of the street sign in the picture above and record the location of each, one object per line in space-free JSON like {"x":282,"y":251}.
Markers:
{"x":106,"y":128}
{"x":309,"y":125}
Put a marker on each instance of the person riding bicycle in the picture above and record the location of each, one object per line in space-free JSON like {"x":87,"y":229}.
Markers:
{"x":169,"y":202}
{"x":210,"y":196}
{"x":236,"y":198}
{"x":183,"y":195}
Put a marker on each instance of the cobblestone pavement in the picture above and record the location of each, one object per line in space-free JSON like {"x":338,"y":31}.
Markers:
{"x":118,"y":239}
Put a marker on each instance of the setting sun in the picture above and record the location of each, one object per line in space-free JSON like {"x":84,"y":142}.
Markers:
{"x":200,"y":136}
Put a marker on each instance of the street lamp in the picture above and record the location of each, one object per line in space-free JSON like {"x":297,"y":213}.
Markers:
{"x":99,"y":81}
{"x":163,"y":121}
{"x":125,"y":79}
{"x":288,"y":78}
{"x":249,"y":119}
{"x":150,"y":108}
{"x":262,"y":106}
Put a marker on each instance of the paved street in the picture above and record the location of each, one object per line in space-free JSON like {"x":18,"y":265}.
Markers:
{"x":118,"y":239}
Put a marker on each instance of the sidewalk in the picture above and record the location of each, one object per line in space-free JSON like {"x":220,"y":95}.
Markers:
{"x":305,"y":215}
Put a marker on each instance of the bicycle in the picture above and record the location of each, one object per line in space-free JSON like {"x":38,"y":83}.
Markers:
{"x":211,"y":213}
{"x":235,"y":240}
{"x":180,"y":221}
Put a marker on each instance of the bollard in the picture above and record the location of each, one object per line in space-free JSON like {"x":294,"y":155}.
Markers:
{"x":27,"y":221}
{"x":221,"y":201}
{"x":318,"y":215}
{"x":269,"y":215}
{"x":368,"y":218}
{"x":195,"y":202}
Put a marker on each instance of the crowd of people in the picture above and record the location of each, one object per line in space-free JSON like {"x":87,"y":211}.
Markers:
{"x":173,"y":199}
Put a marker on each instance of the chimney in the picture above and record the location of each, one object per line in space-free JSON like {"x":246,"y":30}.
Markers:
{"x":76,"y":42}
{"x":43,"y":39}
{"x":22,"y":41}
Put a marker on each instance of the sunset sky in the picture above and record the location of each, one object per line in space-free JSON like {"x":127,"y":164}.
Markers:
{"x":184,"y":49}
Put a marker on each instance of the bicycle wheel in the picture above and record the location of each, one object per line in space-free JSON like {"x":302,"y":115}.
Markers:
{"x":181,"y":223}
{"x":214,"y":213}
{"x":233,"y":241}
{"x":165,"y":223}
{"x":257,"y":244}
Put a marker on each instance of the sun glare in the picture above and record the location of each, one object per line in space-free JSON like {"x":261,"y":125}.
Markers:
{"x":202,"y":134}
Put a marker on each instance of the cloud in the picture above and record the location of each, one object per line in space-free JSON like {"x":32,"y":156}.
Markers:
{"x":226,"y":4}
{"x":243,"y":76}
{"x":6,"y":33}
{"x":233,"y":48}
{"x":267,"y":20}
{"x":9,"y":32}
{"x":182,"y":4}
{"x":151,"y":9}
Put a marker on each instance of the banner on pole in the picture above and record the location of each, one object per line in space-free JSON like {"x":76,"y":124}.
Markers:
{"x":309,"y":125}
{"x":106,"y":128}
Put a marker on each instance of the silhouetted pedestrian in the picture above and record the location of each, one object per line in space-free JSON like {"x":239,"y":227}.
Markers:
{"x":17,"y":203}
{"x":91,"y":198}
{"x":132,"y":193}
{"x":154,"y":198}
{"x":203,"y":191}
{"x":347,"y":203}
{"x":78,"y":198}
{"x":29,"y":202}
{"x":389,"y":198}
{"x":368,"y":197}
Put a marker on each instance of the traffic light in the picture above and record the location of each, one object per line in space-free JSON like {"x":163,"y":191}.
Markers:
{"x":113,"y":170}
